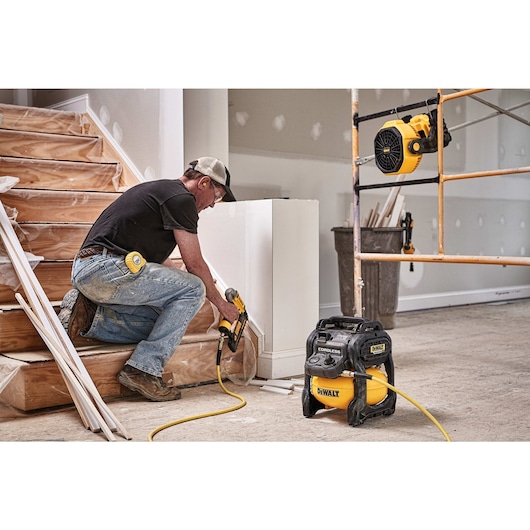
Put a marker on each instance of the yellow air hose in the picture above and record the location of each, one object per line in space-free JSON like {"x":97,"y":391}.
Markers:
{"x":408,"y":398}
{"x":207,"y":414}
{"x":243,"y":402}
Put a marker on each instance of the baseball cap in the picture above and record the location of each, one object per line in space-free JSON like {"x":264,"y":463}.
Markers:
{"x":216,"y":170}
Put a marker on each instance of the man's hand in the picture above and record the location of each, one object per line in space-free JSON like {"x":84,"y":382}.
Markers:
{"x":229,"y":311}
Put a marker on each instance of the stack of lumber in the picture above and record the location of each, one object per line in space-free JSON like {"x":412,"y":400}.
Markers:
{"x":392,"y":212}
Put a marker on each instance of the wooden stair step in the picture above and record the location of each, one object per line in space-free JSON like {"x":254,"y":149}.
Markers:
{"x":54,"y":241}
{"x":54,"y":277}
{"x":50,"y":146}
{"x":19,"y":335}
{"x":38,"y":384}
{"x":68,"y":173}
{"x":50,"y":206}
{"x":37,"y":119}
{"x":62,"y":174}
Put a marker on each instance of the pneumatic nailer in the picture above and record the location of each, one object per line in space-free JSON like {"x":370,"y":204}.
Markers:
{"x":225,"y":327}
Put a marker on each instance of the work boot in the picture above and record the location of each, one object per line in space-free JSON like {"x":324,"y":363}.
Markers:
{"x":150,"y":386}
{"x":66,"y":307}
{"x":77,"y":313}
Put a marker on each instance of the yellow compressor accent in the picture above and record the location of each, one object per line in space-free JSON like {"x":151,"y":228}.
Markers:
{"x":339,"y":392}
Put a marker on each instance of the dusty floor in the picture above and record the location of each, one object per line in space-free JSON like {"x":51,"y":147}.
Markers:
{"x":468,"y":366}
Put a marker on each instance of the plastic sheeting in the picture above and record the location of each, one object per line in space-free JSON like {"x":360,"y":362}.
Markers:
{"x":61,"y":174}
{"x":8,"y":370}
{"x":48,"y":120}
{"x":8,"y":275}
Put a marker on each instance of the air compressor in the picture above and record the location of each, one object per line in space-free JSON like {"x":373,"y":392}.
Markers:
{"x":342,"y":355}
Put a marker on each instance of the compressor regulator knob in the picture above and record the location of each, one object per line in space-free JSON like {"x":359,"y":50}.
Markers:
{"x":329,"y":359}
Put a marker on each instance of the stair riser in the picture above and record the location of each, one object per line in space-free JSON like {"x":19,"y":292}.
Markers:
{"x":37,"y":119}
{"x":51,"y":147}
{"x":39,"y":206}
{"x":54,"y":242}
{"x":61,"y":175}
{"x":54,"y":278}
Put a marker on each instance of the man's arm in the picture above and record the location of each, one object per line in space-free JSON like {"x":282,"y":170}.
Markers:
{"x":192,"y":257}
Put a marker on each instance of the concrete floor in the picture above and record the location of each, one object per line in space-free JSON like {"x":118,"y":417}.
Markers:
{"x":467,"y":366}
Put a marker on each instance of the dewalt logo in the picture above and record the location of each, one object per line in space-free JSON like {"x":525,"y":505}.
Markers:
{"x":327,"y":393}
{"x":377,"y":348}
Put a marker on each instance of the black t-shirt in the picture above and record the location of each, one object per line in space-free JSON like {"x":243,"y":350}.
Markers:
{"x":143,"y":219}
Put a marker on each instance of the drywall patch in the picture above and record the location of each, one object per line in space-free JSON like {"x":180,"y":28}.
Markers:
{"x":241,"y":118}
{"x":149,"y":173}
{"x":104,"y":115}
{"x":117,"y":132}
{"x":278,"y":123}
{"x":316,"y":131}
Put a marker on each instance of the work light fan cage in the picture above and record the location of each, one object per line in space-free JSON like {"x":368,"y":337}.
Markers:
{"x":388,"y":150}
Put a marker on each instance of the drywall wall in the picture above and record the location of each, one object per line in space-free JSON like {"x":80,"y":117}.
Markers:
{"x":205,"y":124}
{"x":276,"y":154}
{"x":147,"y":124}
{"x":297,"y":143}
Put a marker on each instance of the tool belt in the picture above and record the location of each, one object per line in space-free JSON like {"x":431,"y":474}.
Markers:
{"x":90,"y":251}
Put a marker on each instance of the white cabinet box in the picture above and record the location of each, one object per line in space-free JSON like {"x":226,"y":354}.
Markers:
{"x":268,"y":251}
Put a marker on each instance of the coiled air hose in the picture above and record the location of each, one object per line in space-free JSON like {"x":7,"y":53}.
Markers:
{"x":207,"y":414}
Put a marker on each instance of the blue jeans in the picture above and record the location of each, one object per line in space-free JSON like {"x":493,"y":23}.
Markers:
{"x":151,"y":308}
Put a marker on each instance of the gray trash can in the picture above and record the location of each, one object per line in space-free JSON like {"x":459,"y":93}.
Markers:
{"x":381,"y":278}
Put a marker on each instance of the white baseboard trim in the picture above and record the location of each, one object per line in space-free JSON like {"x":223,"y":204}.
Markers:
{"x":275,"y":365}
{"x":478,"y":296}
{"x":77,"y":104}
{"x":449,"y":299}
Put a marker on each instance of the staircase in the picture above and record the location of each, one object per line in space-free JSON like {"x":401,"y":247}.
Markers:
{"x":68,"y":173}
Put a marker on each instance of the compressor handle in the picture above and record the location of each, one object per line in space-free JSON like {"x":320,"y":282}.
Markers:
{"x":370,"y":325}
{"x":362,"y":325}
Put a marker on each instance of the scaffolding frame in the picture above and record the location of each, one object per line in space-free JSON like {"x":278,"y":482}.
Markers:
{"x":441,"y":179}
